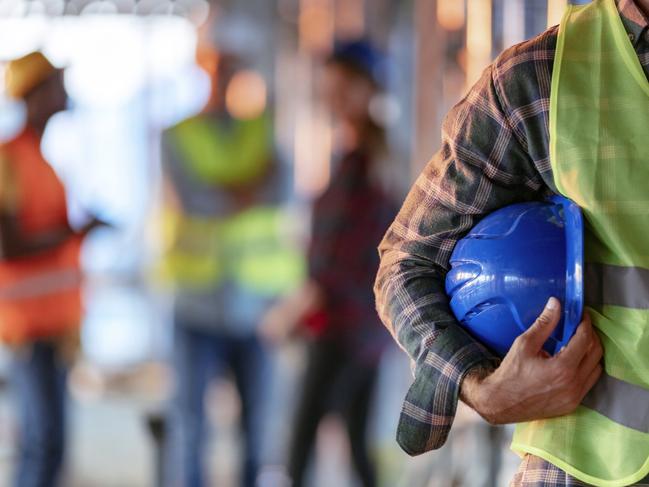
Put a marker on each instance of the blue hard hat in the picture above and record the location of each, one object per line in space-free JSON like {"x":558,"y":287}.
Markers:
{"x":362,"y":55}
{"x":504,"y":271}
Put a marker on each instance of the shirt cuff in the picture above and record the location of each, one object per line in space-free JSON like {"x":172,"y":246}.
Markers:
{"x":430,"y":405}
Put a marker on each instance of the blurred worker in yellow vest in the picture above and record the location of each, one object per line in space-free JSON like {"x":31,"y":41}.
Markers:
{"x":226,"y":255}
{"x":40,"y":305}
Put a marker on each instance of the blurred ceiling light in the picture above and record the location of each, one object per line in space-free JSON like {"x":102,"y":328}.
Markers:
{"x":450,"y":14}
{"x":479,"y":42}
{"x":31,"y":8}
{"x":11,"y":8}
{"x":169,"y":7}
{"x":245,"y":96}
{"x":54,"y":7}
{"x":74,"y":7}
{"x":555,"y":11}
{"x":199,"y":12}
{"x":100,"y":7}
{"x":125,"y":6}
{"x":316,"y":24}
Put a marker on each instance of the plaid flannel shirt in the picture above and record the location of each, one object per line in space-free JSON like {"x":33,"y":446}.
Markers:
{"x":494,"y":152}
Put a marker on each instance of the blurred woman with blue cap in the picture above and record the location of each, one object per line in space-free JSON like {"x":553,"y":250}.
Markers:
{"x":335,"y":309}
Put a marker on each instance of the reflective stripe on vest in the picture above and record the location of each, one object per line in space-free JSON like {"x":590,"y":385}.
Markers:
{"x":627,"y":287}
{"x":621,"y":402}
{"x":598,"y":149}
{"x":616,"y":286}
{"x":251,"y":248}
{"x":42,"y":285}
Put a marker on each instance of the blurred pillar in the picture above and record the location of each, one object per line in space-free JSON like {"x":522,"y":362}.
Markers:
{"x":350,"y":18}
{"x":430,"y":48}
{"x":555,"y":11}
{"x":312,"y":147}
{"x":451,"y":15}
{"x":513,"y":22}
{"x":535,"y":17}
{"x":381,"y":17}
{"x":478,"y":38}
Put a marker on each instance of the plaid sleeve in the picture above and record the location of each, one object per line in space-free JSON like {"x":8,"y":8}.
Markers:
{"x":482,"y":165}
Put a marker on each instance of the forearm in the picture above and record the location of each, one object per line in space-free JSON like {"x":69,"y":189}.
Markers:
{"x":466,"y":180}
{"x":412,"y":302}
{"x":414,"y":307}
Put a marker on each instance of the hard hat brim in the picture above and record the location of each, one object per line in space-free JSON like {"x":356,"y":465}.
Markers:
{"x":574,"y":298}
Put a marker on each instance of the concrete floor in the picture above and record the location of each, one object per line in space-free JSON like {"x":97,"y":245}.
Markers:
{"x":110,"y":445}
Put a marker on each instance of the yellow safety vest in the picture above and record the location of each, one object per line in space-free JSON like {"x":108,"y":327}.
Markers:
{"x":228,"y":157}
{"x":599,"y":114}
{"x":251,"y":248}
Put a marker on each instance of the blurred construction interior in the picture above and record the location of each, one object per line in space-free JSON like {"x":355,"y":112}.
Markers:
{"x":131,"y":73}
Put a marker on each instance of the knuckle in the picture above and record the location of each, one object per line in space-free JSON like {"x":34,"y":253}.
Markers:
{"x":543,"y":320}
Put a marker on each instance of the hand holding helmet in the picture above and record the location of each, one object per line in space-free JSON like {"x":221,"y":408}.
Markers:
{"x":531,"y":384}
{"x":501,"y":274}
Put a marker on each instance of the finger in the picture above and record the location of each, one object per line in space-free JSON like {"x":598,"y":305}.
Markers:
{"x":542,"y":328}
{"x":593,"y":355}
{"x":591,"y":380}
{"x":574,"y":352}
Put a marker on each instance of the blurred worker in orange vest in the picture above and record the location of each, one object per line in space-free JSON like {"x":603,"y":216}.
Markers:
{"x":40,"y":304}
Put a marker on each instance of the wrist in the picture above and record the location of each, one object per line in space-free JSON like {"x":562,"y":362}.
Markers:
{"x":474,"y":389}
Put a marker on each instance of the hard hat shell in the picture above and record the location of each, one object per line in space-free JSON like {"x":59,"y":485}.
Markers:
{"x":504,"y":271}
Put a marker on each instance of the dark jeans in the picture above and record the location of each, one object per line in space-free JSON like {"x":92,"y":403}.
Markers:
{"x":39,"y":379}
{"x":199,"y":356}
{"x":333,"y":378}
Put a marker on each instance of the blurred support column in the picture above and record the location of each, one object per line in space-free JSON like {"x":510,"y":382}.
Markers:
{"x":380,"y":19}
{"x":430,"y":49}
{"x":555,"y":11}
{"x":535,"y":17}
{"x":312,"y":126}
{"x":478,"y":38}
{"x":350,"y":18}
{"x":513,"y":22}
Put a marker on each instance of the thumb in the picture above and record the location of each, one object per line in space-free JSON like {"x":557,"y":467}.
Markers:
{"x":542,"y":328}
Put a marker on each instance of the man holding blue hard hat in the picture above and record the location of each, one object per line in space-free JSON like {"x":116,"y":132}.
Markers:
{"x":562,"y":114}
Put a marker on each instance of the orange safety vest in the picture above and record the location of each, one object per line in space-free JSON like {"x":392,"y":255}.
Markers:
{"x":40,"y":293}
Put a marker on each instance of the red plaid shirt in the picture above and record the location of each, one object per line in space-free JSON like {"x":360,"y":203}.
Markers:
{"x":349,"y":218}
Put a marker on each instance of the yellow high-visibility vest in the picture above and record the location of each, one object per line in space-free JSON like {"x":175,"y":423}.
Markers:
{"x":599,"y":114}
{"x":251,"y":247}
